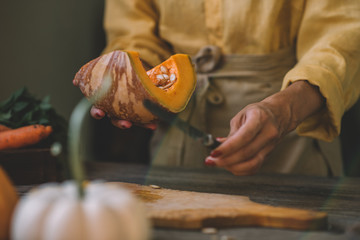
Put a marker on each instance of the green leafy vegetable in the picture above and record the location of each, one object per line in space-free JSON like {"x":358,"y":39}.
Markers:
{"x":22,"y":109}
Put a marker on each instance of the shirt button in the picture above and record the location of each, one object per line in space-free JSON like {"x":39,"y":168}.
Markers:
{"x":215,"y":98}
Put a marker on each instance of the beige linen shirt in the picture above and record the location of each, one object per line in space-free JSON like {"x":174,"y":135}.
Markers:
{"x":325,"y":33}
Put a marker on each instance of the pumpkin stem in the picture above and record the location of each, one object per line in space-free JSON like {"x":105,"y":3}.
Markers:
{"x":76,"y":123}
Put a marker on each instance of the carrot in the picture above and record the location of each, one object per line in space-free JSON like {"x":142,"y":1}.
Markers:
{"x":4,"y":128}
{"x":23,"y":136}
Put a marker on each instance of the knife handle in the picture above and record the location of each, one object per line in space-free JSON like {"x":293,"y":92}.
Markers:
{"x":211,"y":142}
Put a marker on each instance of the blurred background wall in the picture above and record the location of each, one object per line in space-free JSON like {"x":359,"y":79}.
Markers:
{"x":43,"y":43}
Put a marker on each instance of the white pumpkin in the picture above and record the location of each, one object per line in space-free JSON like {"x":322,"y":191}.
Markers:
{"x":54,"y":211}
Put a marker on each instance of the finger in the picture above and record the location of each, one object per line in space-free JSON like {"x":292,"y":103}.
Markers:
{"x":123,"y":124}
{"x":267,"y":136}
{"x":245,"y":134}
{"x":215,"y":153}
{"x":151,"y":126}
{"x":253,"y":165}
{"x":97,"y":113}
{"x":221,"y":139}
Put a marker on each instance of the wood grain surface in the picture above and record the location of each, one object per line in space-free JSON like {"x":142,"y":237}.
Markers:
{"x":195,"y":210}
{"x":338,"y":197}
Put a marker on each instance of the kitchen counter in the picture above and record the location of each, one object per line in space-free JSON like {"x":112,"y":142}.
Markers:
{"x":339,"y":197}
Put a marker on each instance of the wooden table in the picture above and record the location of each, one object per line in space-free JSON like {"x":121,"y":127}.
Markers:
{"x":339,"y":197}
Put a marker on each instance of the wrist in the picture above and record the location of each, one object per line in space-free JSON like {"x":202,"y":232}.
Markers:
{"x":294,"y":104}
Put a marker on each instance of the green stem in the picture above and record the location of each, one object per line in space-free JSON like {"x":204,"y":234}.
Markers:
{"x":76,"y":123}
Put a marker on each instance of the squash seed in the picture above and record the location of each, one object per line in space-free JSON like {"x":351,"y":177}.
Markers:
{"x":160,"y":76}
{"x":163,"y":69}
{"x":167,"y":85}
{"x":165,"y":81}
{"x":166,"y":76}
{"x":160,"y":80}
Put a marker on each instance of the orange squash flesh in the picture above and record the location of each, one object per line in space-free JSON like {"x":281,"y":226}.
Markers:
{"x":176,"y":97}
{"x":118,"y":84}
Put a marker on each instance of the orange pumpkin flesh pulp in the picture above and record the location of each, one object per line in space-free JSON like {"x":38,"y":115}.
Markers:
{"x":117,"y":83}
{"x":176,"y":97}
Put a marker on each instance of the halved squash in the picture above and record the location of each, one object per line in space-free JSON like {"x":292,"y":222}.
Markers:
{"x":118,"y":83}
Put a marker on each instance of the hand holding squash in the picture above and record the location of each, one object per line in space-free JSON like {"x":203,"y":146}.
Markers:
{"x":123,"y":124}
{"x":117,"y":83}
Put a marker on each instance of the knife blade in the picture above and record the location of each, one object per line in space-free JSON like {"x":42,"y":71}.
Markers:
{"x":205,"y":138}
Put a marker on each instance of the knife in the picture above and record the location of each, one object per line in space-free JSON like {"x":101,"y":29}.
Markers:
{"x":206,"y":139}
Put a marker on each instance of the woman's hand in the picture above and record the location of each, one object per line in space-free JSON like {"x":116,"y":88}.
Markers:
{"x":254,"y":132}
{"x":256,"y":129}
{"x":120,"y":123}
{"x":123,"y":124}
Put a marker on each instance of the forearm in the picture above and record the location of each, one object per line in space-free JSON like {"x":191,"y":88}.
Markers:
{"x":295,"y":103}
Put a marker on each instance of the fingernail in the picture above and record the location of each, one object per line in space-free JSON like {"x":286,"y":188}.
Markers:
{"x":209,"y":162}
{"x":97,"y":113}
{"x":152,"y":127}
{"x":215,"y":153}
{"x":124,"y":125}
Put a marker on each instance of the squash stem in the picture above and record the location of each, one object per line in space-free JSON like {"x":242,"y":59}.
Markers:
{"x":76,"y":124}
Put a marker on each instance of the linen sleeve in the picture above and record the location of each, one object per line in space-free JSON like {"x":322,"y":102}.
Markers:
{"x":132,"y":25}
{"x":328,"y":53}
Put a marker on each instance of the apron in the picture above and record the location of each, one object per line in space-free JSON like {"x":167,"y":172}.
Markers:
{"x":225,"y":85}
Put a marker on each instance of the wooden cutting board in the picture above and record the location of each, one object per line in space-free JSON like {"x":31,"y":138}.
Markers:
{"x":195,"y":210}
